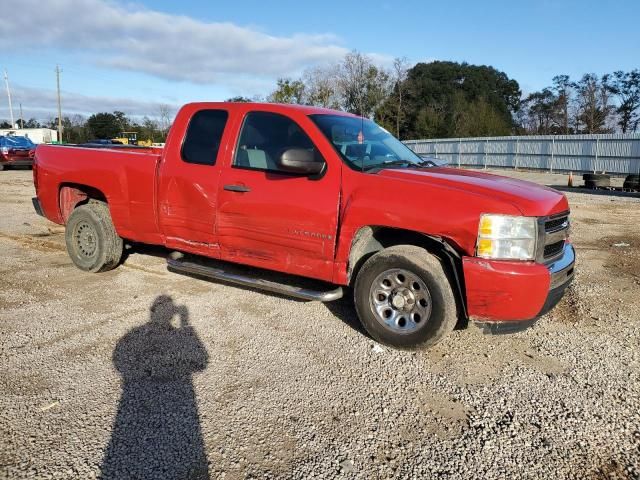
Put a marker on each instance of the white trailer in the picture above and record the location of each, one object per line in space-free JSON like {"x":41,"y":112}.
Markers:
{"x":36,"y":135}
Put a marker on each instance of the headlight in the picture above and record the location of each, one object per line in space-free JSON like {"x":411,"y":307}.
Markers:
{"x":507,"y":238}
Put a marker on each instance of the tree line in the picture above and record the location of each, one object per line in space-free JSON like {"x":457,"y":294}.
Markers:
{"x":448,"y":99}
{"x":606,"y":104}
{"x":438,"y":99}
{"x":105,"y":125}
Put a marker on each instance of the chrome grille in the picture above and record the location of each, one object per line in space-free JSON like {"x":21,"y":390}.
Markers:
{"x":553,"y":249}
{"x":556,"y":224}
{"x":552,"y":234}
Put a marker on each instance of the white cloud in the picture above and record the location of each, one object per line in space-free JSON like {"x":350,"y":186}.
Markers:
{"x":171,"y":47}
{"x":42,"y":104}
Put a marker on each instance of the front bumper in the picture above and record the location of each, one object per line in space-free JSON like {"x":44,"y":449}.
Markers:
{"x":562,"y":272}
{"x":503,"y":296}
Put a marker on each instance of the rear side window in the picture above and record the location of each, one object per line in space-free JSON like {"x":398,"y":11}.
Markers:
{"x":204,"y":133}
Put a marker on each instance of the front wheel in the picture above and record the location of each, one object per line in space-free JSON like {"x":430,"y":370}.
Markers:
{"x":91,"y":238}
{"x":404,"y":299}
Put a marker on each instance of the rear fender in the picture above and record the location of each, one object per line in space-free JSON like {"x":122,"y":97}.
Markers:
{"x":70,"y":196}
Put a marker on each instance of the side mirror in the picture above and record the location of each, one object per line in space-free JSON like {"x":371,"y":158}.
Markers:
{"x":300,"y":160}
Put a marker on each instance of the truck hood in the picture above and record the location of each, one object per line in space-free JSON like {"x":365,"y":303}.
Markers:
{"x":530,"y":198}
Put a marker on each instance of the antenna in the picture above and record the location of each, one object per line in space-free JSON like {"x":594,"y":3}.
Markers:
{"x":6,"y":81}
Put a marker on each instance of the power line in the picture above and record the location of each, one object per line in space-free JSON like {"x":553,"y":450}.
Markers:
{"x":6,"y":81}
{"x":59,"y":104}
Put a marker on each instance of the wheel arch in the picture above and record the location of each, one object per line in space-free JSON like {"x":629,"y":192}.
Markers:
{"x":371,"y":239}
{"x":72,"y":195}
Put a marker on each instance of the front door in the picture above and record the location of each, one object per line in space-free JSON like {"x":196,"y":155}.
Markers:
{"x":270,"y":218}
{"x":188,"y":184}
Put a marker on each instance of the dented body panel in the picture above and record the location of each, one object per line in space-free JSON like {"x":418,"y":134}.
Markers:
{"x":505,"y":291}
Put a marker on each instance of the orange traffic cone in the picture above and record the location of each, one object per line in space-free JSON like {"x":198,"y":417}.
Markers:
{"x":570,"y":182}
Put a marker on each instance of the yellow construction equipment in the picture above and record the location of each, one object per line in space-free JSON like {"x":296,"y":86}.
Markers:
{"x":131,"y":138}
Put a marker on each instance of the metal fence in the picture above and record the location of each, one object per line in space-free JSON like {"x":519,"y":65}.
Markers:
{"x":617,"y":154}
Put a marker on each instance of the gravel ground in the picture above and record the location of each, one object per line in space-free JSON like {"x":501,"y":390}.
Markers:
{"x":142,"y":373}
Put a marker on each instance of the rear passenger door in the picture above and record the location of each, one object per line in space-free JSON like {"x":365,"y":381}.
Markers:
{"x":274,"y":219}
{"x":188,"y":184}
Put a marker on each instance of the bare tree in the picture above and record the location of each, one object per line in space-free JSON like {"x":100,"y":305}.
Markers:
{"x":562,"y":89}
{"x":363,"y":86}
{"x":322,"y":86}
{"x":400,"y":69}
{"x":593,"y":103}
{"x":626,"y":87}
{"x":540,"y":110}
{"x":165,"y":115}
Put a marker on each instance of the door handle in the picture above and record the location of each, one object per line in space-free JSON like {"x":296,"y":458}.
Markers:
{"x":237,"y":188}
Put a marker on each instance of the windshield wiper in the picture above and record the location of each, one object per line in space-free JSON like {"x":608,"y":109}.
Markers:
{"x":399,"y":163}
{"x":427,"y":163}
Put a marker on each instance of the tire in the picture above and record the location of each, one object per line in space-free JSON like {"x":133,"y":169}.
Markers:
{"x":595,"y":176}
{"x":412,"y":282}
{"x":632,"y":179}
{"x":1,"y":167}
{"x":598,"y":183}
{"x":92,"y":242}
{"x":627,"y":185}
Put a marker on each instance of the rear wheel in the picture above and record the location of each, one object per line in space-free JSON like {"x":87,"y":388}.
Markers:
{"x":403,"y":298}
{"x":92,"y":242}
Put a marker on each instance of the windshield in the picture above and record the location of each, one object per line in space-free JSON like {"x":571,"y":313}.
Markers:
{"x":364,"y":145}
{"x":17,"y":142}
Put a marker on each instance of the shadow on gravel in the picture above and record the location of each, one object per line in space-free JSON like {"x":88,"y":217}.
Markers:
{"x":144,"y":249}
{"x":156,"y":433}
{"x":345,"y":310}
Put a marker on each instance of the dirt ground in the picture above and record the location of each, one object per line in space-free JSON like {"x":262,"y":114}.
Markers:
{"x":143,"y":373}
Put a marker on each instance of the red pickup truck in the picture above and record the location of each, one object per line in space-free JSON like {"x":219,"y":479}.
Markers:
{"x":322,"y":194}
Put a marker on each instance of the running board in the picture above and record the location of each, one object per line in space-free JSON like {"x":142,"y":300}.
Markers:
{"x":176,"y":262}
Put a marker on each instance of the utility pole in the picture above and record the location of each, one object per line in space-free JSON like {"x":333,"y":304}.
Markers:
{"x":59,"y":104}
{"x":6,"y":81}
{"x":21,"y":117}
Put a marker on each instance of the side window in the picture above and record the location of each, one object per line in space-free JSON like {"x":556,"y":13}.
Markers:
{"x":264,"y":137}
{"x":204,"y":133}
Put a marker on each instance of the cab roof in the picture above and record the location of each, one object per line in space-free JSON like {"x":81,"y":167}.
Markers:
{"x":273,"y":107}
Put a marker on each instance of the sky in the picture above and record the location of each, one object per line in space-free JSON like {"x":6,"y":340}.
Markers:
{"x":136,"y":56}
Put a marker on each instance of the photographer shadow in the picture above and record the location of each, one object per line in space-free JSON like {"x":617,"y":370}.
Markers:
{"x":156,"y":432}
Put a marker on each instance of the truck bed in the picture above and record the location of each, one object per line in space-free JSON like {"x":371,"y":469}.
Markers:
{"x":124,"y":175}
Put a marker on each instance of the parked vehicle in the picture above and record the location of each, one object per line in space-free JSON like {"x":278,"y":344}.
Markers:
{"x":321,"y":194}
{"x":16,"y":151}
{"x":102,"y":141}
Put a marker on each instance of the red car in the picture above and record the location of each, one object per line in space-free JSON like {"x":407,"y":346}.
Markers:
{"x":16,"y":151}
{"x":321,"y":194}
